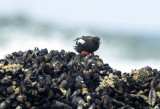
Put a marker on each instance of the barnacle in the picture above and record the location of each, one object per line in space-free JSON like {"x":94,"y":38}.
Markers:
{"x":109,"y":81}
{"x":140,"y":75}
{"x":84,"y":91}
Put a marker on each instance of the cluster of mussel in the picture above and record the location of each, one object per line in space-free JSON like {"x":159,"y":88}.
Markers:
{"x":38,"y":79}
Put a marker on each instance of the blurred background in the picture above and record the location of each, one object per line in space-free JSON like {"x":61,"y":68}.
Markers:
{"x":129,"y":30}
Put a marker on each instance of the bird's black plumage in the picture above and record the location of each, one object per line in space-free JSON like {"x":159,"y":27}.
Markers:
{"x":87,"y":43}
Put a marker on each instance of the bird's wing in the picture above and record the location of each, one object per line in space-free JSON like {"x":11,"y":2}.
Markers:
{"x":79,"y":41}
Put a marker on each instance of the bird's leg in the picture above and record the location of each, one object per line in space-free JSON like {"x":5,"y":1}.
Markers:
{"x":85,"y":52}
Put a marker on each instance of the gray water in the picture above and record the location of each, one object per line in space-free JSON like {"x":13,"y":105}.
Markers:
{"x":122,"y":50}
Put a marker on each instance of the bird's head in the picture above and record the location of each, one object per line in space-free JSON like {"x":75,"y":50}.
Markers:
{"x":96,"y":40}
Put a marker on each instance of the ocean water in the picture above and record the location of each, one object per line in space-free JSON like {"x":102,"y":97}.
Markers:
{"x":122,"y":50}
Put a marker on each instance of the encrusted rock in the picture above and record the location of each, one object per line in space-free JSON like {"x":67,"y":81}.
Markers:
{"x":38,"y":79}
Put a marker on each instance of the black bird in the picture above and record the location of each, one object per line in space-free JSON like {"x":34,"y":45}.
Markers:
{"x":87,"y":44}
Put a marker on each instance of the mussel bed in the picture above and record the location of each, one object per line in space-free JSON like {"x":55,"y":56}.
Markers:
{"x":38,"y":79}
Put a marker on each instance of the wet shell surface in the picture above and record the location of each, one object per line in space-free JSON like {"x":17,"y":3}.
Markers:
{"x":38,"y":79}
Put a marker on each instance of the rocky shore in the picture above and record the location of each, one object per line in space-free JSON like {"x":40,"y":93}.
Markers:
{"x":38,"y":79}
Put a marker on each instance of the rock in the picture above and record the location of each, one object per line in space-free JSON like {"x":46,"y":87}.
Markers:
{"x":37,"y":79}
